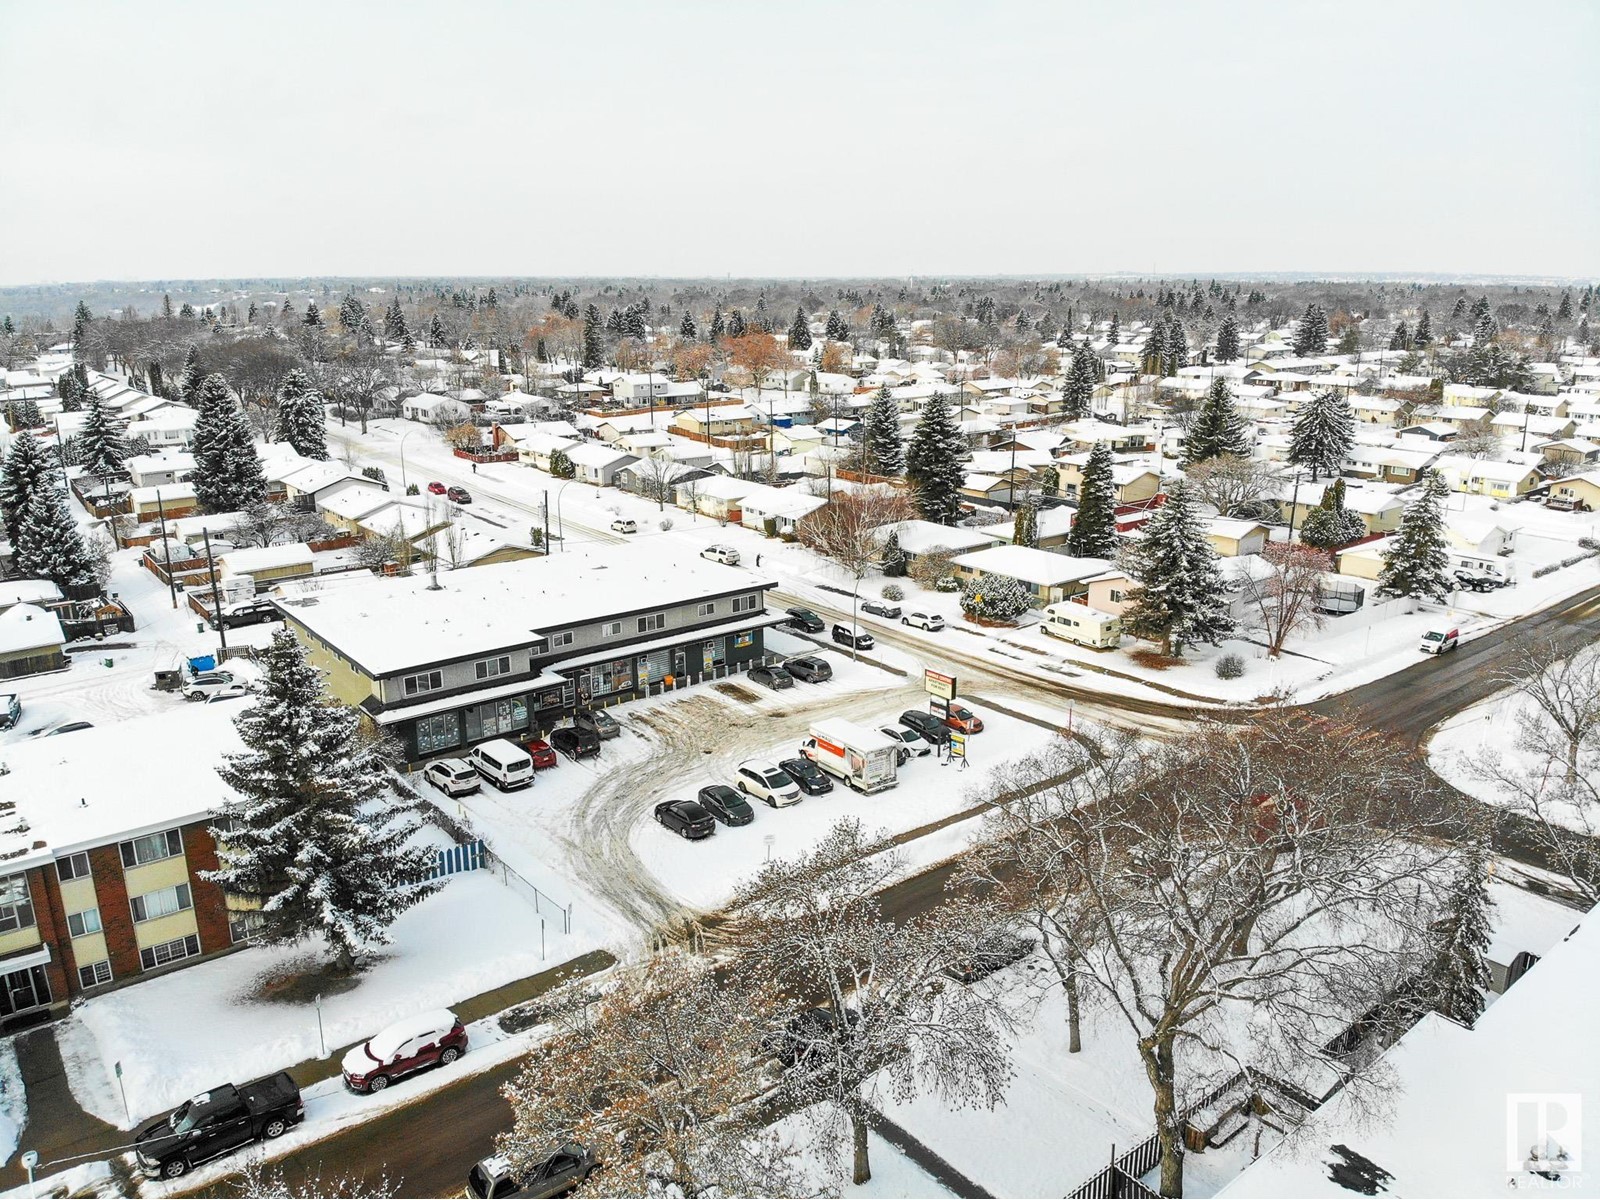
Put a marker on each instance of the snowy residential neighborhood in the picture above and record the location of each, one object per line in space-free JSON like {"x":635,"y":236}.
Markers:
{"x":644,"y":693}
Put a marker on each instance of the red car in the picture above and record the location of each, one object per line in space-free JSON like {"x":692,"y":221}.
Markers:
{"x":964,"y":719}
{"x":414,"y":1044}
{"x":542,"y":753}
{"x":436,"y":488}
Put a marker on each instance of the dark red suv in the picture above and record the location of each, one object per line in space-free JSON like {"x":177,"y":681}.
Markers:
{"x":407,"y":1046}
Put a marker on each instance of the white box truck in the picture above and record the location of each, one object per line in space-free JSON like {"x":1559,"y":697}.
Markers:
{"x":864,"y":758}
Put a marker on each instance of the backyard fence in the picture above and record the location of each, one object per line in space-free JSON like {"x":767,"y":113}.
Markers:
{"x":468,"y":856}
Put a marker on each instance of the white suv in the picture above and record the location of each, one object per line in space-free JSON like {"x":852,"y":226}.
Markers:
{"x":722,"y":554}
{"x":767,"y":781}
{"x":452,"y":776}
{"x":932,"y":622}
{"x":624,"y":525}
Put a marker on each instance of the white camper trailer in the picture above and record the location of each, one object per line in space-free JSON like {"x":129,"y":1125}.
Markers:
{"x":1087,"y":626}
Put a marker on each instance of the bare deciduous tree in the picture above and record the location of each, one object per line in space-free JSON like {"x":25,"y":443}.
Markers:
{"x":1284,"y":599}
{"x":849,"y":530}
{"x":1233,"y":485}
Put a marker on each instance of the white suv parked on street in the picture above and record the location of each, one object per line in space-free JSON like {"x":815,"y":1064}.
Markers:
{"x":932,"y":622}
{"x":722,"y":554}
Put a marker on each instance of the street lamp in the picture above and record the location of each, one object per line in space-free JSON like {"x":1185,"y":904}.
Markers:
{"x":403,"y":437}
{"x":561,"y":529}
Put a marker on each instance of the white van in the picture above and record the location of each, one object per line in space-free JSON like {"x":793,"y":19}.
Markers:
{"x":504,"y":764}
{"x":1087,"y":626}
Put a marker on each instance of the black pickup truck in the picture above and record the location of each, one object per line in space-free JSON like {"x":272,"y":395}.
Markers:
{"x":215,"y":1122}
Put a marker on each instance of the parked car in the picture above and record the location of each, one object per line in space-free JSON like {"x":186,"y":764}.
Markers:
{"x":1478,"y":581}
{"x":775,"y":678}
{"x":430,"y":1039}
{"x":767,"y":781}
{"x":686,"y":818}
{"x":806,"y":620}
{"x":722,"y":554}
{"x":812,"y":779}
{"x":932,"y":622}
{"x":217,"y":1121}
{"x":929,"y":726}
{"x":991,"y":954}
{"x":249,"y":612}
{"x":576,"y":742}
{"x":810,"y":668}
{"x":963,"y":718}
{"x":805,"y":1034}
{"x":726,"y":805}
{"x":913,"y":742}
{"x":881,"y":608}
{"x":69,"y":727}
{"x":458,"y":495}
{"x":542,"y":753}
{"x":436,"y":488}
{"x":563,"y":1172}
{"x":453,"y":776}
{"x":11,"y":709}
{"x":1440,"y":640}
{"x":505,"y":764}
{"x":209,"y":693}
{"x":211,"y":677}
{"x":598,"y":722}
{"x":861,"y":641}
{"x":624,"y":525}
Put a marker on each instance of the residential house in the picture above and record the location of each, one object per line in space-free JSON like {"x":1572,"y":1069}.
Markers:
{"x":1134,"y":484}
{"x":1108,"y":592}
{"x":715,"y":496}
{"x":1048,"y":577}
{"x":435,"y":409}
{"x":507,"y":650}
{"x":158,"y":470}
{"x":1569,"y":453}
{"x":1580,"y":492}
{"x":1380,"y":510}
{"x":1053,"y":524}
{"x":169,"y":500}
{"x":40,"y":592}
{"x":1234,"y":538}
{"x":598,"y":464}
{"x":31,"y":641}
{"x":171,"y":426}
{"x":268,"y":566}
{"x":1390,"y":464}
{"x":1483,"y":477}
{"x":720,"y":421}
{"x":777,"y":510}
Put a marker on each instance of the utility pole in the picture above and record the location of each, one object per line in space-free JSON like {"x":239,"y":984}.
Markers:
{"x":216,"y":598}
{"x":166,"y":548}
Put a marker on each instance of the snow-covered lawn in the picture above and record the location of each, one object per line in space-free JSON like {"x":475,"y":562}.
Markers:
{"x":893,"y":1174}
{"x":181,"y":1033}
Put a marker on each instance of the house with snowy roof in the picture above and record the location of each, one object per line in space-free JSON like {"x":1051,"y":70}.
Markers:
{"x":1048,"y":578}
{"x":31,"y":641}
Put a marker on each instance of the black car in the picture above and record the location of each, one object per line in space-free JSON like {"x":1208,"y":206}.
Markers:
{"x":576,"y":742}
{"x":860,"y":641}
{"x":250,"y":614}
{"x":563,"y":1172}
{"x":217,"y":1121}
{"x":991,"y":954}
{"x":726,"y":804}
{"x":813,"y":780}
{"x":809,"y":1032}
{"x":929,"y":726}
{"x":805,"y":619}
{"x":1478,"y":581}
{"x":775,"y":678}
{"x":810,"y":668}
{"x":881,"y":608}
{"x":686,"y":819}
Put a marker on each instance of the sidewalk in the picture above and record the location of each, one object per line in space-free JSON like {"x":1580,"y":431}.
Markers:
{"x":941,"y":1172}
{"x":58,"y":1128}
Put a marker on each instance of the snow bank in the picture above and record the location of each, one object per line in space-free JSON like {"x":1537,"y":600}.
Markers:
{"x":13,"y":1101}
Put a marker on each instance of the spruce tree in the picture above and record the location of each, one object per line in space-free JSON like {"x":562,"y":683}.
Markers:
{"x":1078,"y":391}
{"x":894,"y":565}
{"x":594,"y":339}
{"x":1025,"y":525}
{"x":436,"y":331}
{"x":49,"y":544}
{"x":687,"y":327}
{"x":81,"y":320}
{"x":1564,"y":312}
{"x":1323,"y":433}
{"x":1418,"y":561}
{"x":1179,"y":599}
{"x":718,"y":329}
{"x":1218,"y":428}
{"x":1331,"y":524}
{"x":1400,"y":339}
{"x":1094,"y":525}
{"x":736,"y":326}
{"x":302,"y":416}
{"x":799,"y":330}
{"x":935,"y":463}
{"x":1458,"y":975}
{"x":193,"y":373}
{"x":313,"y":317}
{"x":838,"y":328}
{"x":314,"y":833}
{"x":880,"y":435}
{"x":166,"y":306}
{"x":1228,"y":340}
{"x":227,"y":475}
{"x":101,"y":446}
{"x":1311,"y":336}
{"x":1114,"y":334}
{"x":1423,"y":336}
{"x":25,"y":414}
{"x":30,"y":468}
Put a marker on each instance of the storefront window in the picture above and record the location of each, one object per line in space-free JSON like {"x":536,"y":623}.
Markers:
{"x":611,"y":677}
{"x":712,"y":654}
{"x":438,"y":733}
{"x":741,"y":640}
{"x":654,"y":667}
{"x":496,"y":718}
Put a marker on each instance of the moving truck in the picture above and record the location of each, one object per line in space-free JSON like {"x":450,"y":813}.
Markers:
{"x":863,"y":758}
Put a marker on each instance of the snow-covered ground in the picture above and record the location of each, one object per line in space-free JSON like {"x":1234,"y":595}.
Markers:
{"x":893,"y":1174}
{"x":181,"y":1033}
{"x":13,"y":1101}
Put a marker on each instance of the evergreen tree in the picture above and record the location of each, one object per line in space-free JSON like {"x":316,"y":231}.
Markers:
{"x":1311,"y":336}
{"x":1564,"y":312}
{"x":1331,"y":524}
{"x":594,"y":341}
{"x":70,"y":389}
{"x":101,"y":446}
{"x":491,"y":301}
{"x":760,"y":316}
{"x":49,"y":545}
{"x":314,"y":833}
{"x":718,"y":329}
{"x":1078,"y":392}
{"x":193,"y":373}
{"x":1484,"y":330}
{"x":1400,"y":339}
{"x":1423,"y":336}
{"x":799,"y":330}
{"x":436,"y":335}
{"x":540,"y":354}
{"x":880,"y":435}
{"x":1228,"y":340}
{"x":81,"y":320}
{"x":1114,"y":334}
{"x":1323,"y":433}
{"x":250,"y":317}
{"x":166,"y":306}
{"x":894,"y":563}
{"x":561,"y":466}
{"x":1458,"y":974}
{"x":838,"y":328}
{"x":1217,"y":429}
{"x":633,"y":323}
{"x":736,"y":326}
{"x":352,"y":313}
{"x":25,"y":414}
{"x":302,"y":416}
{"x":1025,"y":525}
{"x":1094,"y":526}
{"x":313,"y":317}
{"x":227,"y":475}
{"x":29,"y":469}
{"x":687,"y":327}
{"x":1179,"y":599}
{"x":995,"y":598}
{"x":1418,"y":561}
{"x":935,"y":463}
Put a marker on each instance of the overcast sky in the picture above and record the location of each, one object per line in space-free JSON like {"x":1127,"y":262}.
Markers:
{"x":163,"y":140}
